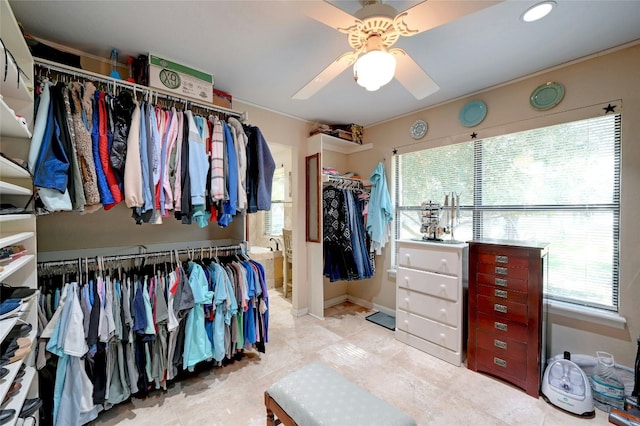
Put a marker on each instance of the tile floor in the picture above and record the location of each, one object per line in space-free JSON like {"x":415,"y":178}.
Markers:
{"x":432,"y":391}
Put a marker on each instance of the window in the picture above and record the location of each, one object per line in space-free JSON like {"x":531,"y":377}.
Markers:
{"x":274,"y":218}
{"x":558,"y":184}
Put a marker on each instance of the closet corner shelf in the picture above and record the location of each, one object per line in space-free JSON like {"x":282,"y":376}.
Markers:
{"x":15,"y":217}
{"x":13,"y":38}
{"x":17,"y":401}
{"x":11,"y":189}
{"x":10,"y":125}
{"x":14,"y":89}
{"x":332,"y":143}
{"x":6,"y":326}
{"x":15,"y":265}
{"x":7,"y":240}
{"x":9,"y":169}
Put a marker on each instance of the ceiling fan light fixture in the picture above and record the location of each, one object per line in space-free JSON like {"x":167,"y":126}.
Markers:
{"x":374,"y":69}
{"x":538,"y":11}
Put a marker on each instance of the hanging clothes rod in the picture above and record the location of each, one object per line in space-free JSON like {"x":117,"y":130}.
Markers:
{"x":346,"y":182}
{"x":89,"y":75}
{"x":210,"y":250}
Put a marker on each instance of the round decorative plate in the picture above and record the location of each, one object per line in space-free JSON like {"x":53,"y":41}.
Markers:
{"x":546,"y":96}
{"x":419,"y":129}
{"x":473,"y":113}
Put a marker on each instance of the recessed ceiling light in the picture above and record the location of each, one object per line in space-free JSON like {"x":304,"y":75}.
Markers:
{"x":538,"y":11}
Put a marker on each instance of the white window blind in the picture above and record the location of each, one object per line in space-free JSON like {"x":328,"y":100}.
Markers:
{"x":558,"y":184}
{"x":274,"y":218}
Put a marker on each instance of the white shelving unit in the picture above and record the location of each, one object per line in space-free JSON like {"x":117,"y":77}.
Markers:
{"x":322,"y":143}
{"x":332,"y":143}
{"x":16,"y":188}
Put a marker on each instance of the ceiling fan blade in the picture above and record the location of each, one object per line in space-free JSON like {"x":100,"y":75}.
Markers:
{"x":329,"y":73}
{"x":433,"y":13}
{"x":326,"y":13}
{"x":412,"y":77}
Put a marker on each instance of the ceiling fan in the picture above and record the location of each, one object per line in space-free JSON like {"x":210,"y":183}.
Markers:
{"x":371,"y":33}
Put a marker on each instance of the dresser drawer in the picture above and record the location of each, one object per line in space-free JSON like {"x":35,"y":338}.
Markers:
{"x":502,"y":258}
{"x":502,"y":271}
{"x":502,"y":366}
{"x":434,"y":308}
{"x":444,"y":286}
{"x":502,"y":293}
{"x":503,"y":282}
{"x":500,"y":345}
{"x":503,"y":328}
{"x":500,"y":308}
{"x":435,"y":332}
{"x":445,"y":262}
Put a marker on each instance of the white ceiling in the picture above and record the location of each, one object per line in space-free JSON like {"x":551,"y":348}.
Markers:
{"x":262,"y":52}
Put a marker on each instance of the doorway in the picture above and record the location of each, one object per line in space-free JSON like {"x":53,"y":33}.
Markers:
{"x":265,"y":228}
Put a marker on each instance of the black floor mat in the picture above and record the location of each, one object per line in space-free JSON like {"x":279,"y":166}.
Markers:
{"x":380,"y":318}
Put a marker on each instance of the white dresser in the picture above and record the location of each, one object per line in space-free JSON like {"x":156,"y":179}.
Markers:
{"x":431,"y":285}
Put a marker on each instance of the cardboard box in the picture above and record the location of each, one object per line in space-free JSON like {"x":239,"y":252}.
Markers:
{"x":222,"y":99}
{"x":182,"y":80}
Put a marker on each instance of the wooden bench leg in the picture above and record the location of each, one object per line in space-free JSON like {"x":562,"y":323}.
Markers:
{"x":271,"y":418}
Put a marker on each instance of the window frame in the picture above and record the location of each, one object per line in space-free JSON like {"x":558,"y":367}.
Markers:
{"x":477,"y":210}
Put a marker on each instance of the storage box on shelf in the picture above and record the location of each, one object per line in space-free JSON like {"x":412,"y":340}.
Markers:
{"x":430,"y":297}
{"x":17,"y":225}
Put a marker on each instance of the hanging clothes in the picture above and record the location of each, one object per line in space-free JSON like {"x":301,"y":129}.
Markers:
{"x":344,"y":239}
{"x":122,"y":334}
{"x":260,"y":169}
{"x":380,"y":210}
{"x":92,"y":149}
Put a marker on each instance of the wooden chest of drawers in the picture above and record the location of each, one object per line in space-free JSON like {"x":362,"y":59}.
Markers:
{"x":506,"y":315}
{"x":430,"y":297}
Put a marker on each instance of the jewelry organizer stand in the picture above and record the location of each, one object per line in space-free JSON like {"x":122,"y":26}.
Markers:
{"x":430,"y":218}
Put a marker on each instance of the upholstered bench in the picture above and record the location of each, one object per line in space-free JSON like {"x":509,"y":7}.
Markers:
{"x":317,"y":395}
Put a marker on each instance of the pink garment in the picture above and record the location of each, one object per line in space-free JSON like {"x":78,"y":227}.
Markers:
{"x":177,"y":186}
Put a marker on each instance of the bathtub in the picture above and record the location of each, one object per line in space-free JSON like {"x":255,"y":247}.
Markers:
{"x":272,"y":263}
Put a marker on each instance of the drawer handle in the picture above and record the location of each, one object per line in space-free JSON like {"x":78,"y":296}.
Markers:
{"x":502,"y":271}
{"x":406,"y":299}
{"x":500,"y":344}
{"x":443,"y":286}
{"x":502,"y":259}
{"x":442,"y":336}
{"x":406,"y":321}
{"x":500,"y":362}
{"x":501,"y":282}
{"x":500,"y":293}
{"x":406,"y":280}
{"x":499,"y":308}
{"x":501,"y":326}
{"x":444,"y":261}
